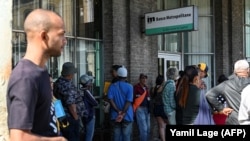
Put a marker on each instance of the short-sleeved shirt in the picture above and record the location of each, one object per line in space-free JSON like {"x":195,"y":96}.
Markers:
{"x":138,"y":91}
{"x":29,"y":100}
{"x":120,"y":92}
{"x":65,"y":90}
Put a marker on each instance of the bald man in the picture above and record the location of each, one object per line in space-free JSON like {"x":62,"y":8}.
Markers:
{"x":31,"y":115}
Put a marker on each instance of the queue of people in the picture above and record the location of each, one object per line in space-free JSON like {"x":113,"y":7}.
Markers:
{"x":172,"y":98}
{"x":172,"y":104}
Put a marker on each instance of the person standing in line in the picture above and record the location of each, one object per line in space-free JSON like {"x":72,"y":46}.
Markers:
{"x":181,"y":72}
{"x":106,"y":102}
{"x":120,"y":95}
{"x":156,"y":95}
{"x":113,"y":72}
{"x":115,"y":78}
{"x":203,"y":73}
{"x":231,"y":90}
{"x":142,"y":109}
{"x":205,"y":112}
{"x":203,"y":70}
{"x":188,"y":96}
{"x":169,"y":95}
{"x":74,"y":107}
{"x":31,"y":114}
{"x":88,"y":120}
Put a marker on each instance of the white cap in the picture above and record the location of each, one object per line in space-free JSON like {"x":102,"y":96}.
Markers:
{"x":122,"y":72}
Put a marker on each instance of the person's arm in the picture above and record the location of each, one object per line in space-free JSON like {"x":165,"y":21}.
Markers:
{"x":71,"y":94}
{"x":90,"y":98}
{"x":26,"y":135}
{"x":129,"y":100}
{"x":164,"y":99}
{"x":171,"y":94}
{"x":122,"y":113}
{"x":73,"y":111}
{"x":114,"y":105}
{"x":110,"y":96}
{"x":125,"y":108}
{"x":212,"y":95}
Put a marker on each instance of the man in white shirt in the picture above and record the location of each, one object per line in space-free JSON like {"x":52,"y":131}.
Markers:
{"x":244,"y":110}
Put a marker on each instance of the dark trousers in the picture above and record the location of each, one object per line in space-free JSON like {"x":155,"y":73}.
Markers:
{"x":72,"y":132}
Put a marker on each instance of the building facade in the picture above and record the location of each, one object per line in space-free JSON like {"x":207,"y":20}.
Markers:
{"x":101,"y":33}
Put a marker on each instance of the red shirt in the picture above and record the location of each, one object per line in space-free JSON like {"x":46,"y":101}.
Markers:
{"x":138,"y":91}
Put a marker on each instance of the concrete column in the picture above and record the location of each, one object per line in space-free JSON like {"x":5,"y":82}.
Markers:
{"x":237,"y":29}
{"x":5,"y":59}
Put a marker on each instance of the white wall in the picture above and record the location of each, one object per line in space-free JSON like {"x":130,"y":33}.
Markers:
{"x":5,"y":62}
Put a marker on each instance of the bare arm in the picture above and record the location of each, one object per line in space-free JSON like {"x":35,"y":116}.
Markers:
{"x":26,"y":135}
{"x":122,"y":113}
{"x":72,"y":110}
{"x":125,"y":108}
{"x":114,"y":105}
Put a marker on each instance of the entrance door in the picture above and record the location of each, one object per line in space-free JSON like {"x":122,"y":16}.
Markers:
{"x":166,"y":60}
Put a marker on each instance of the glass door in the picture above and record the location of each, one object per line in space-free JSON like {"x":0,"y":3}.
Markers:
{"x":166,"y":60}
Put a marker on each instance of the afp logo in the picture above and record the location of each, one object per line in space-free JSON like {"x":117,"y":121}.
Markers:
{"x":150,"y":19}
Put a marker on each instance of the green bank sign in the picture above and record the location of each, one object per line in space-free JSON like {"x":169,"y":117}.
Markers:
{"x":170,"y":21}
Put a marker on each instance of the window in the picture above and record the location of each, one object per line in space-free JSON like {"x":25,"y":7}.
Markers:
{"x":78,"y":35}
{"x":89,"y":19}
{"x":247,"y":29}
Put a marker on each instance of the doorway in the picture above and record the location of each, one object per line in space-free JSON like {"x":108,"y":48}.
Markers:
{"x":167,"y":60}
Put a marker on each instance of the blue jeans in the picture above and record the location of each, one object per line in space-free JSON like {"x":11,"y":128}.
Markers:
{"x":89,"y":129}
{"x":143,"y":122}
{"x":122,"y":130}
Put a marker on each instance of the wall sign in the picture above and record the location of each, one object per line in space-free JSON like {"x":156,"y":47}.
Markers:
{"x":170,"y":21}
